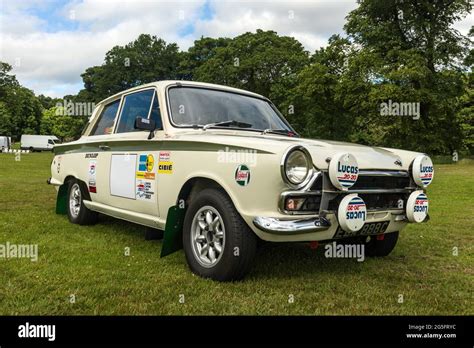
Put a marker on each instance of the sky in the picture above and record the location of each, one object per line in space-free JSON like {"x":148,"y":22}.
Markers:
{"x":50,"y":43}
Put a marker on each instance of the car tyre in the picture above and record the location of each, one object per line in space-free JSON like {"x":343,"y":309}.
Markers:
{"x":380,"y":248}
{"x":77,"y":212}
{"x":217,"y":242}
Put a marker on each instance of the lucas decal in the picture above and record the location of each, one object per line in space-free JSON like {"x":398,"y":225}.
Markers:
{"x":145,"y":178}
{"x":242,"y":175}
{"x":423,"y":170}
{"x":343,"y":171}
{"x":165,"y":165}
{"x":352,"y":213}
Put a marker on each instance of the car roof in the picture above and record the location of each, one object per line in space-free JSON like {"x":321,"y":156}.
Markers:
{"x":166,"y":83}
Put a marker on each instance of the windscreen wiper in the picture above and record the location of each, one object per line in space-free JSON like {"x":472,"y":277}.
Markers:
{"x":226,"y":124}
{"x":280,"y":131}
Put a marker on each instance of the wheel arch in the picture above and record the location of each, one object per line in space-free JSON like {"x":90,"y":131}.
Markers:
{"x":61,"y":198}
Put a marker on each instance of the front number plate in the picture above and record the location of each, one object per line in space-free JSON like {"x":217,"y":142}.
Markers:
{"x":369,"y":229}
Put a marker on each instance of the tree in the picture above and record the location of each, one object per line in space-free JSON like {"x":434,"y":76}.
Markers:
{"x":20,"y":110}
{"x":414,"y":55}
{"x":144,"y":60}
{"x":313,"y":105}
{"x":48,"y":102}
{"x":261,"y":62}
{"x":203,"y":49}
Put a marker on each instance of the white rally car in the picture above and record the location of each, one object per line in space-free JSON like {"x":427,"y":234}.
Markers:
{"x":218,"y":168}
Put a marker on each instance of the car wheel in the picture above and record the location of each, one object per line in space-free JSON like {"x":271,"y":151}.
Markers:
{"x":77,"y":212}
{"x":376,"y":247}
{"x":217,"y":242}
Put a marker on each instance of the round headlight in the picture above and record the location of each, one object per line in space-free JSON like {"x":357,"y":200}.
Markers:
{"x":422,"y":170}
{"x":297,"y":166}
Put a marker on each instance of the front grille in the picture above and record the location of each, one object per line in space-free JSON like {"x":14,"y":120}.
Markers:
{"x":372,"y":182}
{"x":381,"y":182}
{"x":311,"y":203}
{"x":383,"y":201}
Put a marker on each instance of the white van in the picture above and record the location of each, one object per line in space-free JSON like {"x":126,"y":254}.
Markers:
{"x":38,"y":142}
{"x":5,"y":143}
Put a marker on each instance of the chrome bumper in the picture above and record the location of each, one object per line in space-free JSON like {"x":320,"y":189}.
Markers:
{"x":295,"y":226}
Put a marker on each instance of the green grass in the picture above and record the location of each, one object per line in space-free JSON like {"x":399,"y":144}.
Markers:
{"x":89,"y":262}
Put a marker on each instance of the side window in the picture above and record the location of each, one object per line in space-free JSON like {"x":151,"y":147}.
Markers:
{"x":134,"y":105}
{"x":106,"y":120}
{"x":50,"y":142}
{"x":156,"y":113}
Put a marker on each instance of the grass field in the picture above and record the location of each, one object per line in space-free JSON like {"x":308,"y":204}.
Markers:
{"x":90,"y":262}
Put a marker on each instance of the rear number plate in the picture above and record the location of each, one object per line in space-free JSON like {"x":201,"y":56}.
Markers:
{"x":369,"y":229}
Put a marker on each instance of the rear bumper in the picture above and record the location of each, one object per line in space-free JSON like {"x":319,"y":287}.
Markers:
{"x":294,"y":226}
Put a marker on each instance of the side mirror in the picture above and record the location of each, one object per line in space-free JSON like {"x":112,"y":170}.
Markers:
{"x":145,"y":124}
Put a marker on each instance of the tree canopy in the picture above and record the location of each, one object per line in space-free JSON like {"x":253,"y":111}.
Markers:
{"x":393,"y":53}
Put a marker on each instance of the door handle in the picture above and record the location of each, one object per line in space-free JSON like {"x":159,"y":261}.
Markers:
{"x":104,"y":147}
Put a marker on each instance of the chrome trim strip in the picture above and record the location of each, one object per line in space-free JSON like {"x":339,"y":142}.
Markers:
{"x":276,"y":226}
{"x":392,"y":173}
{"x":403,"y":190}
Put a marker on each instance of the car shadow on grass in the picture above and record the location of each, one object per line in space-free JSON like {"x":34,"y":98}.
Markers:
{"x":273,"y":260}
{"x":276,"y":260}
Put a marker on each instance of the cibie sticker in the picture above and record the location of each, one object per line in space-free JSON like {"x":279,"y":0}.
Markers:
{"x":352,"y":213}
{"x":165,"y":165}
{"x":343,"y":170}
{"x":242,"y":175}
{"x":417,"y":206}
{"x":423,"y":170}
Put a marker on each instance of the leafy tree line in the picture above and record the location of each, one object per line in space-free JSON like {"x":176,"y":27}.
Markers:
{"x":393,"y":51}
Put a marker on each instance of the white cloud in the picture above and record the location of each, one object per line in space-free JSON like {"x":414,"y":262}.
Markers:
{"x":51,"y":62}
{"x":313,"y":22}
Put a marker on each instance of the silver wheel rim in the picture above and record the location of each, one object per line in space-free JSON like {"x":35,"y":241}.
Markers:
{"x":208,"y":236}
{"x":75,"y":200}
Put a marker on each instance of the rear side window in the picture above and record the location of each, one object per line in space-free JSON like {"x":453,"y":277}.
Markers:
{"x":105,"y":123}
{"x":134,"y":105}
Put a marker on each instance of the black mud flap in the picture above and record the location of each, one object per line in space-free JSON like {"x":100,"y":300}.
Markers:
{"x":61,"y":200}
{"x":172,"y":240}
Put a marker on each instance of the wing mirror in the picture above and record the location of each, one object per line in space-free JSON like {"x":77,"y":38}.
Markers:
{"x":146,"y":124}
